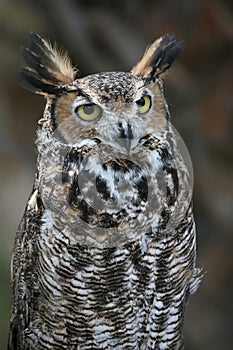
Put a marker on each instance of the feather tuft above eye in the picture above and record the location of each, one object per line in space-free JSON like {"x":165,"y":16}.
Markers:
{"x":158,"y":57}
{"x":47,"y":68}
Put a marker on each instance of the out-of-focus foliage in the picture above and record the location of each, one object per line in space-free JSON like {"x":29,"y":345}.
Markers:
{"x":111,"y":35}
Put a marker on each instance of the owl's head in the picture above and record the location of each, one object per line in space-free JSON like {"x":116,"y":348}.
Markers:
{"x":110,"y":106}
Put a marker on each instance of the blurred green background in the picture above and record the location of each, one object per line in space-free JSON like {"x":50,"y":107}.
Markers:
{"x":111,"y":35}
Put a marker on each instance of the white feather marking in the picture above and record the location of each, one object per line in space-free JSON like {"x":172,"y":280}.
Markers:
{"x":143,"y":243}
{"x":154,"y":159}
{"x":32,"y":201}
{"x":47,"y":220}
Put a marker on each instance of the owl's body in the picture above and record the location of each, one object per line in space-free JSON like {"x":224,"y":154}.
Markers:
{"x":104,"y":256}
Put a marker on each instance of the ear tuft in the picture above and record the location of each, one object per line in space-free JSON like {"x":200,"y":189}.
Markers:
{"x":158,"y":57}
{"x":46,"y":69}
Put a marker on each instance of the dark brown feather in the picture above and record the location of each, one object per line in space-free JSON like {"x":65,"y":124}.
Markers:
{"x":158,"y":57}
{"x":45,"y":68}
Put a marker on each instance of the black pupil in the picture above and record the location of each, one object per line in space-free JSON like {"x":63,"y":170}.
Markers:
{"x":141,"y":102}
{"x":88,"y":109}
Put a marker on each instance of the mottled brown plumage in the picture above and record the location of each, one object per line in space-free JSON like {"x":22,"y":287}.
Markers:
{"x":105,"y":254}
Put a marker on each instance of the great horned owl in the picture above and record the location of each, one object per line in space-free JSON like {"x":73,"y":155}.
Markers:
{"x":104,"y":256}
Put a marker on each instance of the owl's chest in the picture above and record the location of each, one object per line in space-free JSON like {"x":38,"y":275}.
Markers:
{"x":107,"y":198}
{"x":110,"y":296}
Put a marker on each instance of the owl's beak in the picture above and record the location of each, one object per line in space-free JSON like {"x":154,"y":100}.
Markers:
{"x":126,"y":136}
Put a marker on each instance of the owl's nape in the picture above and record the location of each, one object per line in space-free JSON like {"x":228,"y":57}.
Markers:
{"x":105,"y":254}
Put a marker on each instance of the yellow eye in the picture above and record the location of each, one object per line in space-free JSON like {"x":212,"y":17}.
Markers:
{"x":88,"y":111}
{"x":144,"y":104}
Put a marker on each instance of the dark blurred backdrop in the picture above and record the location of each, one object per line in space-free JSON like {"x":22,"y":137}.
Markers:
{"x":111,"y":35}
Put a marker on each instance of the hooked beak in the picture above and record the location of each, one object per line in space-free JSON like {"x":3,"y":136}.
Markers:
{"x":126,"y":135}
